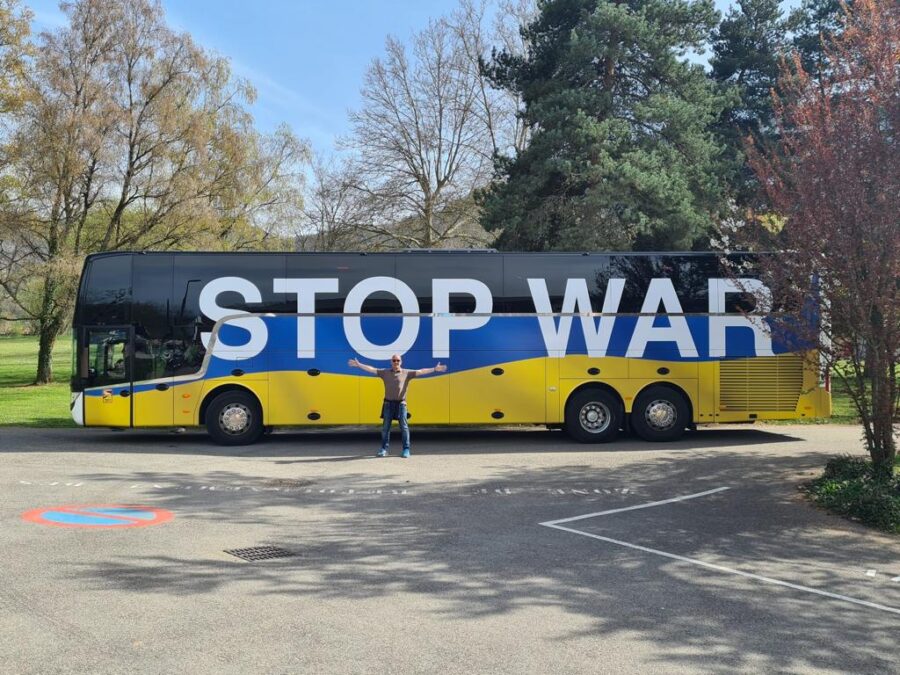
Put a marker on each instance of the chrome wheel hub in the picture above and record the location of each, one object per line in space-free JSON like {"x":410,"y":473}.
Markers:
{"x":661,"y":415}
{"x":594,"y":417}
{"x":234,"y":418}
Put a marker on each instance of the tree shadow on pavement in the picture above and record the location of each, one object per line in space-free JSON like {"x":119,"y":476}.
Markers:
{"x":482,"y":553}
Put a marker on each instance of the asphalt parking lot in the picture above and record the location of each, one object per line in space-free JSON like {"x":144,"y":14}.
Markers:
{"x":487,"y":551}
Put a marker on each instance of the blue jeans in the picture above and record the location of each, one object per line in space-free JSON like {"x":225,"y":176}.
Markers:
{"x":394,"y":410}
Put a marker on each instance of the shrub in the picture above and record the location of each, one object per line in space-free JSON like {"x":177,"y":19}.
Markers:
{"x":847,"y":467}
{"x":848,"y":487}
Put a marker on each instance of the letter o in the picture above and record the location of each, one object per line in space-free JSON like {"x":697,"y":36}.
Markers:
{"x":409,"y":328}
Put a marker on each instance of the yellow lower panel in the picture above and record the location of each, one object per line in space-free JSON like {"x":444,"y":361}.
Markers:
{"x":518,"y":393}
{"x":428,"y":399}
{"x":153,"y":408}
{"x":527,"y":391}
{"x":579,"y":367}
{"x":297,"y":398}
{"x":186,"y":403}
{"x":108,"y":410}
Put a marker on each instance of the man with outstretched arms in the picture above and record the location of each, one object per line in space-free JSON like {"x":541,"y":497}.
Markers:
{"x":396,"y":381}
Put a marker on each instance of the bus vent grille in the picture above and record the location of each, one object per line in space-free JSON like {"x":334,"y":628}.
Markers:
{"x":768,"y":383}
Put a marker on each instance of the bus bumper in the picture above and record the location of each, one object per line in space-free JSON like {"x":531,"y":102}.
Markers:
{"x":76,"y":407}
{"x":822,"y":402}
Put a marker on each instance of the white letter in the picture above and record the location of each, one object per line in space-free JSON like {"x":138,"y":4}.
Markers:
{"x":442,"y":325}
{"x":596,"y":338}
{"x":305,"y":290}
{"x":718,"y":288}
{"x":661,"y":290}
{"x":259,"y":334}
{"x":353,"y":324}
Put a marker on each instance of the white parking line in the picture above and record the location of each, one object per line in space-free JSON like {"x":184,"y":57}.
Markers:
{"x":551,"y":523}
{"x":555,"y":524}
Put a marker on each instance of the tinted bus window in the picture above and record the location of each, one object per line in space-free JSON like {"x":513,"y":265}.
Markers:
{"x":107,"y":295}
{"x":191,"y":274}
{"x":419,"y":270}
{"x":689,"y":276}
{"x":555,"y":269}
{"x":152,"y":317}
{"x":349,"y":269}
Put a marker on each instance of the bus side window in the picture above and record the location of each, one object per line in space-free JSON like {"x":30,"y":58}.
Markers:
{"x":185,"y":351}
{"x":108,"y":357}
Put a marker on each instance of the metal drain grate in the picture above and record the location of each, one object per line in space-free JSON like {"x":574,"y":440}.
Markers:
{"x":260,"y":553}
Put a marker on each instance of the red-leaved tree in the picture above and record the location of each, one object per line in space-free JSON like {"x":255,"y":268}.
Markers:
{"x":833,"y":183}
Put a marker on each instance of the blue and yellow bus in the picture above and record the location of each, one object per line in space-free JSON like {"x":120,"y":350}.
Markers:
{"x":594,"y":343}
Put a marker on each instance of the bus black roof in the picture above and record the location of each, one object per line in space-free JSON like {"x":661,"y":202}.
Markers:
{"x":104,"y":254}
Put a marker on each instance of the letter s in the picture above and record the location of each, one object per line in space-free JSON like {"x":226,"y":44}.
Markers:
{"x":259,"y":333}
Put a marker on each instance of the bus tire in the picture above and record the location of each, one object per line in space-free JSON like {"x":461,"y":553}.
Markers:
{"x":234,"y":418}
{"x":660,"y":414}
{"x":593,"y":416}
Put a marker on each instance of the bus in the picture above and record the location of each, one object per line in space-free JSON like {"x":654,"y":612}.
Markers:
{"x":595,"y":343}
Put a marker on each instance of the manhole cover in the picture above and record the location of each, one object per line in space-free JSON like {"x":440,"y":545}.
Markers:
{"x":260,"y":553}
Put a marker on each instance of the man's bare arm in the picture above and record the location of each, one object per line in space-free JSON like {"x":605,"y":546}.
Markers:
{"x":439,"y":368}
{"x":353,"y":363}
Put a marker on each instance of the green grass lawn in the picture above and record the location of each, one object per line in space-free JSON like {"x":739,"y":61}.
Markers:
{"x":24,"y":404}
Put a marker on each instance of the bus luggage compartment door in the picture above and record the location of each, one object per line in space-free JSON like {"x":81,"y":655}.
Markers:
{"x":510,"y":391}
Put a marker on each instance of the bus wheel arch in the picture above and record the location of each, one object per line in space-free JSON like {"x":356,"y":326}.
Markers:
{"x":233,"y":415}
{"x":594,"y":413}
{"x":661,"y":411}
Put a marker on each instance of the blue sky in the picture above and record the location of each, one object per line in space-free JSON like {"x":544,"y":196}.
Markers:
{"x":305,"y":57}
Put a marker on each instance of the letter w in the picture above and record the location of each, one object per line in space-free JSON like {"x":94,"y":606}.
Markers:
{"x":576,"y":300}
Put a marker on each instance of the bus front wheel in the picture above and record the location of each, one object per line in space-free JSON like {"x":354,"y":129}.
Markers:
{"x":593,"y":416}
{"x":660,"y":414}
{"x":234,"y":418}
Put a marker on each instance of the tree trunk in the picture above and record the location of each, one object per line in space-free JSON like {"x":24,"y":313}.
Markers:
{"x":882,"y":444}
{"x":48,"y":334}
{"x":49,"y":323}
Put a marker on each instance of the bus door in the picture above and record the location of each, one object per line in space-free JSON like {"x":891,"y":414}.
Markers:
{"x":153,"y":382}
{"x":107,"y":391}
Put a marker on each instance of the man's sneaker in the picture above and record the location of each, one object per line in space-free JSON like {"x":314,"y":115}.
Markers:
{"x":381,"y":453}
{"x":405,"y":454}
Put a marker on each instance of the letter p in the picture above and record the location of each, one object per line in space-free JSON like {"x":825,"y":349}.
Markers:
{"x":443,"y":322}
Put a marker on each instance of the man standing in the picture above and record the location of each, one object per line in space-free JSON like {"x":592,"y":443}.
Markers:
{"x":396,"y":381}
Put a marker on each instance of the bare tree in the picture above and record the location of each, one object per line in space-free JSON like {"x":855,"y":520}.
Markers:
{"x":420,"y":140}
{"x":131,"y":137}
{"x":335,"y":211}
{"x":497,"y":109}
{"x":834,"y":181}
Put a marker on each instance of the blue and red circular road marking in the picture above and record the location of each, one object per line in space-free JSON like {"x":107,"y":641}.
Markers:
{"x":99,"y":516}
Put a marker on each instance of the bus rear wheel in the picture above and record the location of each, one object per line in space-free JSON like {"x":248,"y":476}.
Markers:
{"x":660,"y":414}
{"x":234,"y":418}
{"x":593,"y":416}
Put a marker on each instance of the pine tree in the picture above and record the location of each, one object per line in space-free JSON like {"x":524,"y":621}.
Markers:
{"x":622,"y":154}
{"x":747,"y":48}
{"x":810,"y":24}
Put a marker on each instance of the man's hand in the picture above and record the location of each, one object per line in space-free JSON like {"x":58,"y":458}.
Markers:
{"x":439,"y":368}
{"x":354,"y":363}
